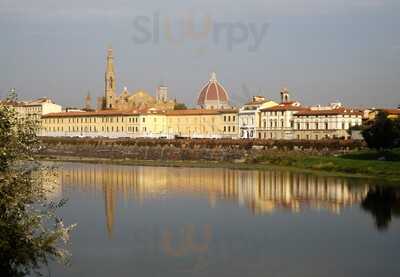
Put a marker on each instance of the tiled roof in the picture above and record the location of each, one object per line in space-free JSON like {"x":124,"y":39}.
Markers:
{"x":200,"y":112}
{"x":228,"y":111}
{"x":391,"y":111}
{"x":339,"y":111}
{"x":257,"y":102}
{"x":287,"y":106}
{"x":212,"y":91}
{"x":95,"y":113}
{"x":192,"y":112}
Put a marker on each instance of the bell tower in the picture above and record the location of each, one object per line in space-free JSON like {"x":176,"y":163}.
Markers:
{"x":285,"y":95}
{"x":110,"y":81}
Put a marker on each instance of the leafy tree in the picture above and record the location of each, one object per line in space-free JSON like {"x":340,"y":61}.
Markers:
{"x":382,"y":134}
{"x":180,"y":106}
{"x":30,"y":232}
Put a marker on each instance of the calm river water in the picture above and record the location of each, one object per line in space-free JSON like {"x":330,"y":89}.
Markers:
{"x":156,"y":221}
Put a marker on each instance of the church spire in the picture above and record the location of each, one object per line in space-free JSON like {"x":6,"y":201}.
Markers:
{"x":110,"y":81}
{"x":110,"y":60}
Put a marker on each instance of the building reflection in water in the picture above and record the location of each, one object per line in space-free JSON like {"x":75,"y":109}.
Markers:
{"x":260,"y":191}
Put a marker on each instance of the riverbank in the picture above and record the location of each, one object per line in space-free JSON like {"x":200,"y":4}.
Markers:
{"x":363,"y":163}
{"x":349,"y":165}
{"x":334,"y":157}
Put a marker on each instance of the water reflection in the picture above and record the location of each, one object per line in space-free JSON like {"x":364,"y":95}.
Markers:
{"x":382,"y":203}
{"x":260,"y":191}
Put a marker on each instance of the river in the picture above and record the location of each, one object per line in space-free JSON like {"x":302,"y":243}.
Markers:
{"x":164,"y":221}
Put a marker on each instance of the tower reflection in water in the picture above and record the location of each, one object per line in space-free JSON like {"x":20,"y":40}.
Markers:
{"x":260,"y":191}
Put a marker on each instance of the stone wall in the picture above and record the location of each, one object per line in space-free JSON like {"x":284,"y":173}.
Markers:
{"x":209,"y":150}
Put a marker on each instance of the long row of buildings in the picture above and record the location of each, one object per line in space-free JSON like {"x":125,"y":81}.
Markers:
{"x":139,"y":114}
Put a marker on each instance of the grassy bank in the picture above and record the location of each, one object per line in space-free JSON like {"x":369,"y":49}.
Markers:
{"x":366,"y":163}
{"x":356,"y":164}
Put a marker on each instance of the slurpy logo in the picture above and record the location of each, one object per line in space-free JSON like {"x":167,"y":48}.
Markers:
{"x":159,"y":29}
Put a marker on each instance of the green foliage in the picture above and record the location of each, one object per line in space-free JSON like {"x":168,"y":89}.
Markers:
{"x":393,"y":155}
{"x":347,"y":164}
{"x":180,"y":106}
{"x":383,"y":134}
{"x":30,"y":231}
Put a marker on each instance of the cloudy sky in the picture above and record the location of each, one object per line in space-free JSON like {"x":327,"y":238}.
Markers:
{"x":322,"y":50}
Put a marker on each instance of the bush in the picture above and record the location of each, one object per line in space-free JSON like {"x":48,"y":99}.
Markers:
{"x":30,"y":230}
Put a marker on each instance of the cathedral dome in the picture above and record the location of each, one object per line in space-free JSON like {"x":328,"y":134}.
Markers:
{"x":213,"y":95}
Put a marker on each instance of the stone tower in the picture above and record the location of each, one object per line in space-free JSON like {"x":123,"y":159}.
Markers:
{"x":88,"y":101}
{"x":109,"y":101}
{"x":162,"y":93}
{"x":285,"y":95}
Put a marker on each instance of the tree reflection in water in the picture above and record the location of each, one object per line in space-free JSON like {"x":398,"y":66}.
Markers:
{"x":382,"y":203}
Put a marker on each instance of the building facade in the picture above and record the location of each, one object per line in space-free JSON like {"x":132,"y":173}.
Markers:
{"x":249,"y":116}
{"x":152,"y":123}
{"x":326,"y":124}
{"x":36,"y":108}
{"x":107,"y":123}
{"x":391,"y":113}
{"x":277,"y":122}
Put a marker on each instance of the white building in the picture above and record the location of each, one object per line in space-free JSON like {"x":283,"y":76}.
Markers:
{"x":330,"y":123}
{"x":36,"y":108}
{"x":277,"y":121}
{"x":249,"y":116}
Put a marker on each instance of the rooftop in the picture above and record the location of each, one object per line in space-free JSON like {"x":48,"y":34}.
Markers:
{"x":286,"y":106}
{"x":339,"y":111}
{"x":94,"y":113}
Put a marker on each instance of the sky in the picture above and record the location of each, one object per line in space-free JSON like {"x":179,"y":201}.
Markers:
{"x":322,"y":50}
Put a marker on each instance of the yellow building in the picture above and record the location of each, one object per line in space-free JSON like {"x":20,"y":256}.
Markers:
{"x":391,"y":113}
{"x":202,"y":123}
{"x":152,"y":123}
{"x":106,"y":123}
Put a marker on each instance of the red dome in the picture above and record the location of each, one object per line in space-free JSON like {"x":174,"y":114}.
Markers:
{"x":213,"y":92}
